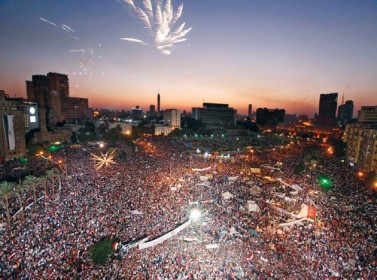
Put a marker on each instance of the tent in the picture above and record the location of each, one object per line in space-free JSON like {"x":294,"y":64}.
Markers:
{"x":252,"y":206}
{"x":227,"y":195}
{"x":255,"y":190}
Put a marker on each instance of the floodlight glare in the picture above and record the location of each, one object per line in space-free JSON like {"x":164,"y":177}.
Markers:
{"x":195,"y":215}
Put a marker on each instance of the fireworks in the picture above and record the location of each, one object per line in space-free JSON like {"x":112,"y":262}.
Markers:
{"x":159,"y":18}
{"x":104,"y":159}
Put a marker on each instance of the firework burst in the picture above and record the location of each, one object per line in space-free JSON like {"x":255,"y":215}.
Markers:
{"x":160,"y":19}
{"x":103,"y":160}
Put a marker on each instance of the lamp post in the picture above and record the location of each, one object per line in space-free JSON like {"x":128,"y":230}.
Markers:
{"x":76,"y":107}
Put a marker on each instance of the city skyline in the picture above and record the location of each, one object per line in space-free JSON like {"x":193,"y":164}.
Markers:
{"x":268,"y":54}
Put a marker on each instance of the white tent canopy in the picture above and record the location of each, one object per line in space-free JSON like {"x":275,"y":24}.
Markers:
{"x":227,"y":195}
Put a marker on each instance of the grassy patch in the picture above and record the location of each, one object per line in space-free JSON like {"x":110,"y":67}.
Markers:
{"x":101,"y":251}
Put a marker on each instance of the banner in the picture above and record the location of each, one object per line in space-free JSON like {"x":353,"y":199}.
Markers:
{"x":212,"y":246}
{"x":201,"y":169}
{"x":9,"y":131}
{"x":255,"y":170}
{"x":165,"y":236}
{"x":294,"y":222}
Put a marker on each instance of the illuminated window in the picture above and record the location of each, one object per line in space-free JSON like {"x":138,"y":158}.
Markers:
{"x":33,"y":119}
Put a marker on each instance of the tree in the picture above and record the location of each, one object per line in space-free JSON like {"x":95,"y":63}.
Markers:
{"x":54,"y":173}
{"x":6,"y":189}
{"x":18,"y":191}
{"x":32,"y":182}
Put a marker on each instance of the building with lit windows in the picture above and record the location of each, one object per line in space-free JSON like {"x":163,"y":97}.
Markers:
{"x":367,"y":114}
{"x":361,"y":140}
{"x":12,"y":129}
{"x":172,"y":117}
{"x":215,"y":115}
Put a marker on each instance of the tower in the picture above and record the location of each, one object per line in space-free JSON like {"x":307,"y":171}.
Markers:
{"x":327,"y":109}
{"x":158,"y":103}
{"x":249,"y":111}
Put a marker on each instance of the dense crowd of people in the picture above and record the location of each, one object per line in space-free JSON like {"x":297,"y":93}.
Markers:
{"x":151,"y":191}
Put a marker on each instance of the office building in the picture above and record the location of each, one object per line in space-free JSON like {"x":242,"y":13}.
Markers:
{"x":270,"y":117}
{"x":345,"y":112}
{"x":51,"y":92}
{"x":215,"y":115}
{"x":172,"y":118}
{"x":367,"y":114}
{"x":137,"y":113}
{"x":361,"y":140}
{"x":327,"y":109}
{"x":12,"y":129}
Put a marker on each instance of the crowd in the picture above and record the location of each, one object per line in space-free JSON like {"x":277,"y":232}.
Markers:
{"x":155,"y":180}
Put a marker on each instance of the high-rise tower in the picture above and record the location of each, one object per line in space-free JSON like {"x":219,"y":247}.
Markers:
{"x":158,"y":103}
{"x":327,"y":109}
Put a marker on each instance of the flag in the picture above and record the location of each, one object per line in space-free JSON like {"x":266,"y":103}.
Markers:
{"x":250,"y":257}
{"x":115,"y":245}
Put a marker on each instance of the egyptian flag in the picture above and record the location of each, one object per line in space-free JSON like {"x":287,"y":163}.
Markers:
{"x":249,"y":258}
{"x":9,"y":131}
{"x":312,"y":213}
{"x":115,"y":245}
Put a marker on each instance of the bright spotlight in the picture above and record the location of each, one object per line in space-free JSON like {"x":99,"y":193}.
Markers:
{"x":195,"y":215}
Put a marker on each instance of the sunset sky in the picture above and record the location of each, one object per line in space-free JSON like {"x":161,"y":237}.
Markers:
{"x":275,"y":54}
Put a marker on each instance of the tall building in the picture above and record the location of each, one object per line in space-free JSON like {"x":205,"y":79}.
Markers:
{"x":327,"y":109}
{"x":367,"y":114}
{"x":152,"y":111}
{"x":249,"y":112}
{"x":51,"y":92}
{"x":215,"y":115}
{"x":345,"y":112}
{"x":270,"y":117}
{"x":362,"y":145}
{"x":158,"y":103}
{"x":74,"y":109}
{"x":12,"y":129}
{"x":172,"y":117}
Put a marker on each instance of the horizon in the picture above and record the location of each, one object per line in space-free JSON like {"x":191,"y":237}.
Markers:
{"x":268,"y":54}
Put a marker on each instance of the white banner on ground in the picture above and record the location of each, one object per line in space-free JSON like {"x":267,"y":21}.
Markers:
{"x":212,"y":246}
{"x":294,"y":187}
{"x":136,"y":212}
{"x":201,"y":169}
{"x":285,"y":212}
{"x":255,"y":170}
{"x":165,"y":236}
{"x":294,"y":222}
{"x":232,"y":179}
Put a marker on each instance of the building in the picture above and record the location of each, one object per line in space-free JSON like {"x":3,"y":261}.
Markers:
{"x":327,"y":109}
{"x":215,"y":115}
{"x":51,"y":92}
{"x":74,"y":109}
{"x":345,"y":112}
{"x":172,"y":117}
{"x":367,"y":114}
{"x":249,"y":111}
{"x":361,"y":140}
{"x":162,"y":130}
{"x":137,"y":113}
{"x":270,"y":117}
{"x":158,"y":103}
{"x":31,"y":115}
{"x":12,"y":129}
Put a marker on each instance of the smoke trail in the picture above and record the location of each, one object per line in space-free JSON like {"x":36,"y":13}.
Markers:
{"x":133,"y":40}
{"x":159,"y":18}
{"x":49,"y":22}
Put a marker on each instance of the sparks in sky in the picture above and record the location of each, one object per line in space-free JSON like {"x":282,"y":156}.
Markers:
{"x":159,"y":18}
{"x":104,"y":159}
